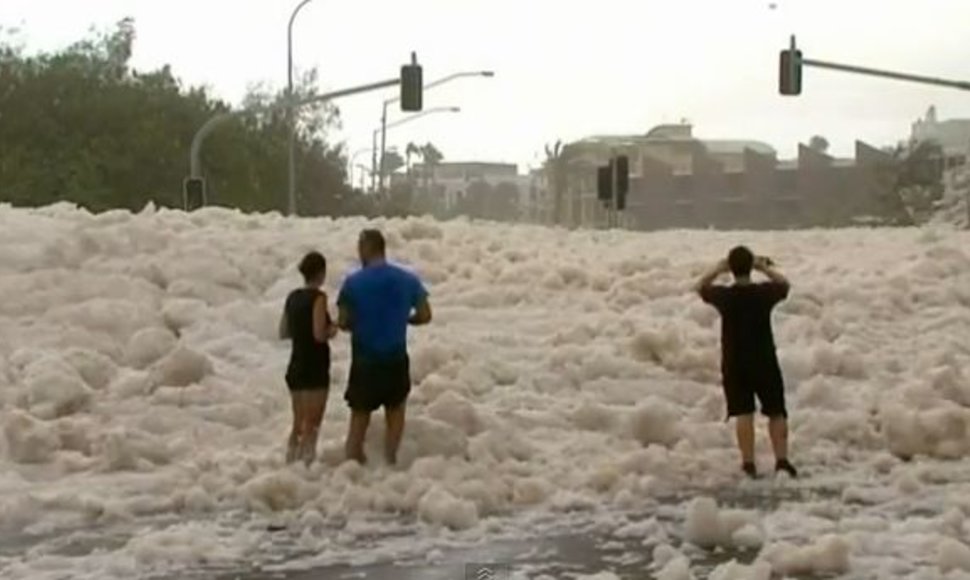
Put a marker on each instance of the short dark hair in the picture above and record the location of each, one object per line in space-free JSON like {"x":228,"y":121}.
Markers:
{"x":741,"y":261}
{"x":374,"y":239}
{"x":312,"y":265}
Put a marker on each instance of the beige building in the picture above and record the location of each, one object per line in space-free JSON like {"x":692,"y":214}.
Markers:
{"x":680,"y":181}
{"x":673,"y":146}
{"x":952,"y":135}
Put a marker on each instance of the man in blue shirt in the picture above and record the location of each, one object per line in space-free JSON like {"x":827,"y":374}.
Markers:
{"x":376,"y":304}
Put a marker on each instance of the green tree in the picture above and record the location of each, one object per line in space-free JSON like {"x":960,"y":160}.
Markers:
{"x":819,"y":144}
{"x":81,"y":125}
{"x":391,"y":163}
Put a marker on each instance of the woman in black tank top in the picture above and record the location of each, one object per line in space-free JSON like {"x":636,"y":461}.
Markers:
{"x":306,"y":322}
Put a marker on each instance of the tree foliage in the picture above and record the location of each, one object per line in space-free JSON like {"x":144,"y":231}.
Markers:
{"x":81,"y":125}
{"x":819,"y":143}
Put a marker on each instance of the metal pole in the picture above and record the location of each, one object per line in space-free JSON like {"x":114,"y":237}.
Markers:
{"x":615,"y":179}
{"x":962,"y":85}
{"x":195,"y":166}
{"x":374,"y":168}
{"x":383,"y":143}
{"x":212,"y":123}
{"x":431,"y":85}
{"x":352,"y":164}
{"x":291,"y":110}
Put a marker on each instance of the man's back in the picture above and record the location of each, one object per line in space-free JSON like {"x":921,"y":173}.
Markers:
{"x":380,"y":298}
{"x":746,"y":335}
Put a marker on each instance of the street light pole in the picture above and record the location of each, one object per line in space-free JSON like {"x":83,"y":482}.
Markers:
{"x":441,"y":81}
{"x":353,"y":163}
{"x":291,"y":110}
{"x":373,"y":164}
{"x":385,"y":126}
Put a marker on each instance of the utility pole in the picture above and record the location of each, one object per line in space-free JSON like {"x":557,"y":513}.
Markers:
{"x":291,"y":110}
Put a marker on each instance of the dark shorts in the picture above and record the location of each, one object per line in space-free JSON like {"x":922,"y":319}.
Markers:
{"x":319,"y":382}
{"x":309,"y":377}
{"x":309,"y":373}
{"x":378,"y":383}
{"x":741,"y":390}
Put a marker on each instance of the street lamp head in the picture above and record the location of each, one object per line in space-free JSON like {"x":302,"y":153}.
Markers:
{"x":487,"y":73}
{"x":454,"y":109}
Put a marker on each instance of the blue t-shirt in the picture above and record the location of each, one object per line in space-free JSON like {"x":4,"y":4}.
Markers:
{"x":380,"y":299}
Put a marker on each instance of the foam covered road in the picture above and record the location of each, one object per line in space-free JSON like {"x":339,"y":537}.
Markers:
{"x":569,"y":378}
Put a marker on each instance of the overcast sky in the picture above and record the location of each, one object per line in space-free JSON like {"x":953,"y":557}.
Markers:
{"x":564,"y":68}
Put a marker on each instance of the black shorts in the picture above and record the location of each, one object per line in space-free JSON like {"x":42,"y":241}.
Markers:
{"x":741,"y":389}
{"x":318,"y":382}
{"x":378,"y":383}
{"x":309,"y":370}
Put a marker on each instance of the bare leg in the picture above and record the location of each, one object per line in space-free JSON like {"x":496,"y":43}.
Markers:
{"x":744,"y":428}
{"x":395,"y":430}
{"x":316,"y":405}
{"x":359,"y":420}
{"x":778,"y":431}
{"x":296,"y":433}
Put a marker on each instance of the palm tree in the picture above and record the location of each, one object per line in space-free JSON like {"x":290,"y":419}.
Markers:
{"x":411,"y":150}
{"x":432,"y":158}
{"x":555,"y":167}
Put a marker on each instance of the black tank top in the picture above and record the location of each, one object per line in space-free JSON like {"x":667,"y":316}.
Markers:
{"x":308,"y":357}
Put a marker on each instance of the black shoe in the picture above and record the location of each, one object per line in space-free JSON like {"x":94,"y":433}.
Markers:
{"x":787,"y":467}
{"x":750,"y":469}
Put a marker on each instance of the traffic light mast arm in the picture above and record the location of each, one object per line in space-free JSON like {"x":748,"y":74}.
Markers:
{"x":212,"y":123}
{"x":963,"y":85}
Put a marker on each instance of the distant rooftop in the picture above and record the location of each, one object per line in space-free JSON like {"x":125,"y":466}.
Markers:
{"x":726,"y":146}
{"x":715,"y":146}
{"x":476,"y":164}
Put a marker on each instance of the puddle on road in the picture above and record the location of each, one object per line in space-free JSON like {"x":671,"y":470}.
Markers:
{"x":580,"y":549}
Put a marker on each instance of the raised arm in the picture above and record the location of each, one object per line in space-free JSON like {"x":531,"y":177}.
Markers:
{"x":713,"y":274}
{"x":766,"y":267}
{"x":777,"y":289}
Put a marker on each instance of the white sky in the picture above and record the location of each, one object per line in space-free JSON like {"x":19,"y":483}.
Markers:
{"x":564,"y":68}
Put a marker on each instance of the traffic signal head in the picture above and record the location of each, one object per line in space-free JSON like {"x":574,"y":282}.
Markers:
{"x":193,"y":193}
{"x":790,"y":73}
{"x":622,"y":175}
{"x":412,"y":86}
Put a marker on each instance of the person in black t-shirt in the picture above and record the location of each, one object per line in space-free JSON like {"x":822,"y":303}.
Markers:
{"x":306,"y":321}
{"x":749,"y":364}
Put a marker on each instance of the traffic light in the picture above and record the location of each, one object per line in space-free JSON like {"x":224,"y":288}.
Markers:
{"x":790,"y":73}
{"x":622,"y":175}
{"x":412,"y":86}
{"x":193,"y":193}
{"x":604,"y":183}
